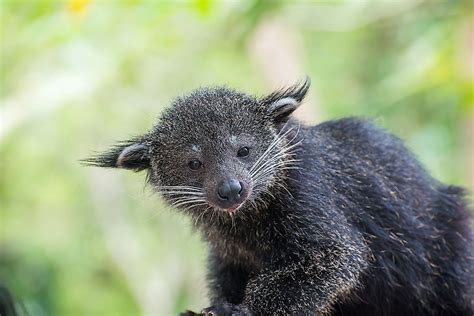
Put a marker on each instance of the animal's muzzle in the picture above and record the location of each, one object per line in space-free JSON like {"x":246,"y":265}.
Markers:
{"x":231,"y":193}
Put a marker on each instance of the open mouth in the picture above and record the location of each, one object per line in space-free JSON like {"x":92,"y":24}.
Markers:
{"x":232,"y":210}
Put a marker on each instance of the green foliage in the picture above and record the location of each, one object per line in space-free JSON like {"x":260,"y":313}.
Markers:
{"x":78,"y":75}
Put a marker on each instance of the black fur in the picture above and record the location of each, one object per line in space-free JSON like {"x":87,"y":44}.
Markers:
{"x":130,"y":154}
{"x":340,"y":220}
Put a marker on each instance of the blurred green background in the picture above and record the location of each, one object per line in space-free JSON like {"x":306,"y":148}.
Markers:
{"x":78,"y":75}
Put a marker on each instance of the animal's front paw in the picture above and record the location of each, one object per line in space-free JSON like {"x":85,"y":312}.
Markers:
{"x":226,"y":309}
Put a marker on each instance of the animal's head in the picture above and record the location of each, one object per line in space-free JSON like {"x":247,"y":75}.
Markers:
{"x":215,"y":149}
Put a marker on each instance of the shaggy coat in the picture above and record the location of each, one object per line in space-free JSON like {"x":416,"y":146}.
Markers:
{"x":335,"y":219}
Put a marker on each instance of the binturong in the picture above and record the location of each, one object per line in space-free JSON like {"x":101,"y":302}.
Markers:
{"x":333,"y":219}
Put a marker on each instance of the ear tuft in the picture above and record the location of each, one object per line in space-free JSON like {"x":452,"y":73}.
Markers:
{"x":281,"y":103}
{"x":132,"y":155}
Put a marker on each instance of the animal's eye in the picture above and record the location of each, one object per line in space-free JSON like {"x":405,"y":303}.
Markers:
{"x":243,"y":152}
{"x":194,"y":164}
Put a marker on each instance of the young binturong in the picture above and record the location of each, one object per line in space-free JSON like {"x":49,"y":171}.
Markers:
{"x":333,"y":219}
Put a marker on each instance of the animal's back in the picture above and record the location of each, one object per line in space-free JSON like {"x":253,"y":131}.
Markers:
{"x":416,"y":228}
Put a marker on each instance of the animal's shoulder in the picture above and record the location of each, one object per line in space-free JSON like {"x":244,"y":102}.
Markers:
{"x":363,"y":139}
{"x":354,"y":130}
{"x":351,"y":150}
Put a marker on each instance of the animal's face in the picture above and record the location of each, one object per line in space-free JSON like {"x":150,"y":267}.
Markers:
{"x":215,"y":149}
{"x":209,"y":142}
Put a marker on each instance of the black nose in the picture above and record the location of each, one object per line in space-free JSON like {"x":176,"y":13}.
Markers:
{"x":230,"y":190}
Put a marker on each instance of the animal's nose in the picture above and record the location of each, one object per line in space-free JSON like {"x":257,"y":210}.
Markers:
{"x":230,"y":190}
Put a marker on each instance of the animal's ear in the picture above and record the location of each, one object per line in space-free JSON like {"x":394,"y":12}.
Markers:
{"x":132,"y":154}
{"x":281,"y":103}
